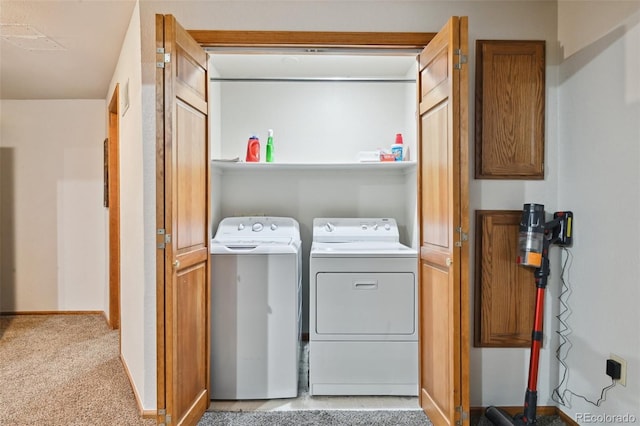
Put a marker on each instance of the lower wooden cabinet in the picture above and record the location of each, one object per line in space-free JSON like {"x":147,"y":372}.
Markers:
{"x":504,"y":291}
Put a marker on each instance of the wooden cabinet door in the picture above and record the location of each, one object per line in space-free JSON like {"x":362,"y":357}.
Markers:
{"x":183,"y":216}
{"x":443,"y":204}
{"x":504,"y":291}
{"x":510,"y":109}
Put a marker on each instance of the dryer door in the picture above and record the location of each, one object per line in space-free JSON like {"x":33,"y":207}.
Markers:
{"x":368,"y":304}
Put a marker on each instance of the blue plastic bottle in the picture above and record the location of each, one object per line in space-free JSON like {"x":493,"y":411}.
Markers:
{"x":397,"y":149}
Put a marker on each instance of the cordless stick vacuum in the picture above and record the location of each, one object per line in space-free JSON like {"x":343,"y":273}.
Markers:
{"x":535,"y":238}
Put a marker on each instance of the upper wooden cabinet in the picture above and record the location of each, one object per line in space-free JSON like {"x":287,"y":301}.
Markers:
{"x":510,"y":104}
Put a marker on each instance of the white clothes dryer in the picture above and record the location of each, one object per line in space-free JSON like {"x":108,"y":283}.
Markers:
{"x":255,"y":308}
{"x":363,"y":333}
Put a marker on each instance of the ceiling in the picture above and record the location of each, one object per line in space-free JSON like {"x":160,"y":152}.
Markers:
{"x":55,"y":49}
{"x":68,"y":49}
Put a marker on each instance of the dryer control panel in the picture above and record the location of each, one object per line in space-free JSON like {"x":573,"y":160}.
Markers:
{"x":345,"y":230}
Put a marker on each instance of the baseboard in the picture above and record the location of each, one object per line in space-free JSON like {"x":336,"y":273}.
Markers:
{"x":565,"y":418}
{"x":150,"y":414}
{"x":548,"y":410}
{"x":53,"y":313}
{"x":146,"y":414}
{"x":21,"y":313}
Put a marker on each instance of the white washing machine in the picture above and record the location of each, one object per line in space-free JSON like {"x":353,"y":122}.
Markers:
{"x":363,"y":326}
{"x":255,"y":308}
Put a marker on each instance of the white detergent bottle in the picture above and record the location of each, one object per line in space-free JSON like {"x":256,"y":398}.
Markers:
{"x":397,"y":149}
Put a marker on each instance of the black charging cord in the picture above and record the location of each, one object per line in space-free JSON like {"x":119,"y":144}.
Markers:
{"x":563,"y":331}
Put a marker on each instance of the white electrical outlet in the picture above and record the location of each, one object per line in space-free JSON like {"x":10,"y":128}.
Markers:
{"x":623,"y":369}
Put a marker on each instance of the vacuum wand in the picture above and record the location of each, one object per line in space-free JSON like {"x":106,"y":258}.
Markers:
{"x":535,"y":238}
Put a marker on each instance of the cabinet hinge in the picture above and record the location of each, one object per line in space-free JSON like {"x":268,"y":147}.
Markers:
{"x":462,"y":59}
{"x":464,"y":237}
{"x":165,"y":59}
{"x":464,"y":415}
{"x":164,"y":237}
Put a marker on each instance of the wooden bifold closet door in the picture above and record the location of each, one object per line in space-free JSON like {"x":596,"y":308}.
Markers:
{"x":183,"y":225}
{"x":444,"y":222}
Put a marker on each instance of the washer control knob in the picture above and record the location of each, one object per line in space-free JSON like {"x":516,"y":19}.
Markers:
{"x":329,"y":227}
{"x":241,"y":227}
{"x":375,"y":227}
{"x":273,"y":226}
{"x":257,"y":227}
{"x":364,"y":227}
{"x":387,"y":226}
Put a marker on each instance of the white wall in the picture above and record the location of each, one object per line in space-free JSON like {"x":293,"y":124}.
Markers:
{"x":581,"y":23}
{"x":52,"y":222}
{"x":599,"y":179}
{"x":314,"y":122}
{"x":497,"y":376}
{"x":137,"y":301}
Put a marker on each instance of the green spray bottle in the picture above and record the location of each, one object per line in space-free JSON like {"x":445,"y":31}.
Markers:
{"x":269,"y":156}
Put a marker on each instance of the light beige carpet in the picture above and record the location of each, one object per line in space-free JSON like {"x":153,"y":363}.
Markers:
{"x":63,"y":370}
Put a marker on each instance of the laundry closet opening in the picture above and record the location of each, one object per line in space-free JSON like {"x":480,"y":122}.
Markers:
{"x":328,"y":107}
